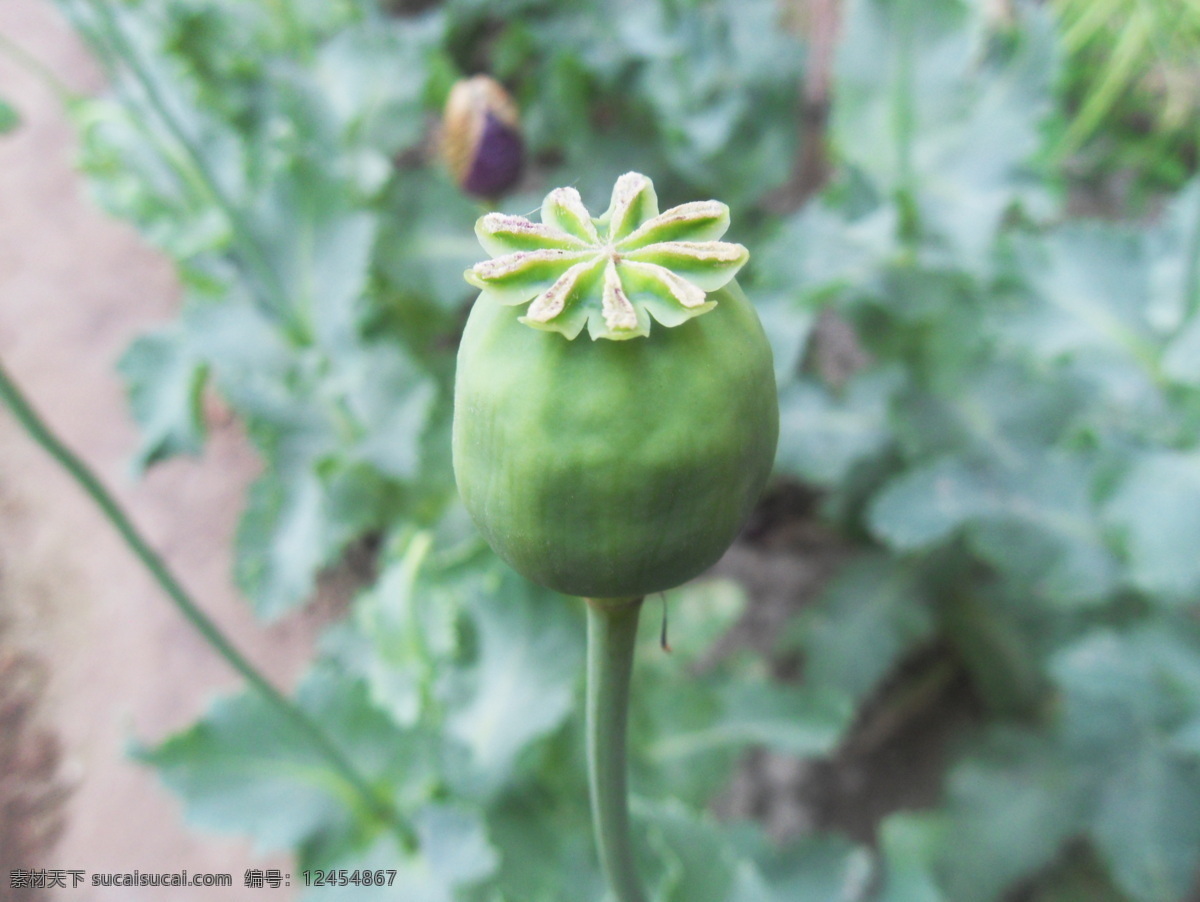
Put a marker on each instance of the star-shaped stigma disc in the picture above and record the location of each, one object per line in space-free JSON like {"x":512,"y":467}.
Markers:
{"x":611,"y":274}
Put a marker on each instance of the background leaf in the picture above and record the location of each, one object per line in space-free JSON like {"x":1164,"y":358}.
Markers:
{"x":9,"y":117}
{"x":873,"y":613}
{"x":523,"y":681}
{"x":1155,"y":507}
{"x":245,"y":769}
{"x":165,"y":380}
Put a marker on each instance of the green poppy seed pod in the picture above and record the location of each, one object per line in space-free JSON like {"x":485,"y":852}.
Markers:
{"x":626,"y":464}
{"x":481,"y":137}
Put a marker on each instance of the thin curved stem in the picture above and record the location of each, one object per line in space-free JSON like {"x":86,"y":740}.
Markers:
{"x":379,"y":807}
{"x":612,"y":633}
{"x":38,"y":70}
{"x":904,"y":124}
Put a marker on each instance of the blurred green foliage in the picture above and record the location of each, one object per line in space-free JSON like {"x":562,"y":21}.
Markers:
{"x":9,"y":118}
{"x":1014,"y":455}
{"x":1132,"y":87}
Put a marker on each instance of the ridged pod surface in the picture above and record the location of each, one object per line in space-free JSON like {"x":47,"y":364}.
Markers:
{"x":613,"y":468}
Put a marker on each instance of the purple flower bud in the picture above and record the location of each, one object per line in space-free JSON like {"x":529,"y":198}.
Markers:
{"x":481,"y":137}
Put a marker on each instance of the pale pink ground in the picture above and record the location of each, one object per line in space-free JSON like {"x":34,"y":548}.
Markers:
{"x":75,"y":288}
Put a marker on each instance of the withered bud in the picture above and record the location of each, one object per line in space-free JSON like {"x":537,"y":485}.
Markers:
{"x":481,"y":137}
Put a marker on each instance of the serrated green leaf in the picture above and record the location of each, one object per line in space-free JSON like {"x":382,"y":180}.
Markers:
{"x":678,"y":694}
{"x":132,"y":176}
{"x":972,"y":166}
{"x":454,"y":842}
{"x":373,"y":75}
{"x":145,"y":153}
{"x":897,"y":71}
{"x":165,"y":381}
{"x":407,"y":875}
{"x":428,"y":241}
{"x":1091,"y":291}
{"x":1119,"y":716}
{"x":870,"y":615}
{"x":1157,"y":509}
{"x":543,"y":832}
{"x":245,"y":768}
{"x":1181,"y":358}
{"x":788,"y":328}
{"x":925,"y":506}
{"x":1010,"y":806}
{"x":696,"y":860}
{"x":296,"y":522}
{"x":409,"y":620}
{"x":689,"y":727}
{"x":793,"y":721}
{"x":928,"y":108}
{"x":1123,"y":690}
{"x":732,"y":135}
{"x":1172,"y":296}
{"x":264,"y":377}
{"x":695,"y":865}
{"x":393,"y":401}
{"x":1187,"y":738}
{"x":818,"y":868}
{"x":523,"y":682}
{"x":910,"y":845}
{"x":823,"y":433}
{"x":281,"y":542}
{"x":1077,"y":878}
{"x":1040,"y":508}
{"x":1147,"y":826}
{"x":318,"y":248}
{"x":1125,"y":696}
{"x":1002,"y":412}
{"x":821,"y":251}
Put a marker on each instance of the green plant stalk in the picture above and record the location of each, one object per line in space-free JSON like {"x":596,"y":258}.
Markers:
{"x":612,"y":634}
{"x":88,"y":481}
{"x":38,"y":70}
{"x":904,"y":128}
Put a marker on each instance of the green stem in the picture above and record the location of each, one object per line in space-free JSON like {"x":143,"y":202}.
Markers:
{"x":321,"y":742}
{"x":904,"y":123}
{"x":38,"y":70}
{"x":612,"y":633}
